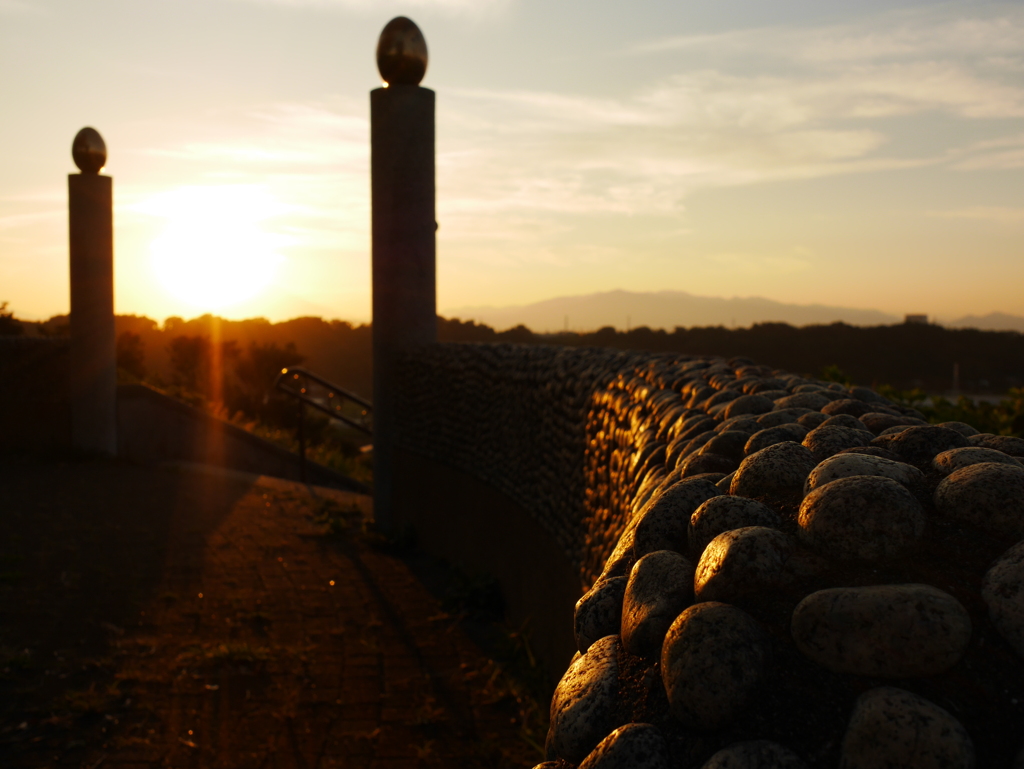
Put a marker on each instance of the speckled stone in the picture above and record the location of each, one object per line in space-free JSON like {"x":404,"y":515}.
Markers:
{"x":894,"y":728}
{"x":844,"y":420}
{"x":739,"y":562}
{"x":728,"y":444}
{"x":850,"y":406}
{"x":755,"y":754}
{"x":661,"y":524}
{"x":783,"y":417}
{"x":772,"y":435}
{"x":1003,"y":591}
{"x":777,"y":471}
{"x":825,"y":441}
{"x":726,"y":513}
{"x":847,"y":465}
{"x":660,"y":586}
{"x":748,"y":404}
{"x":633,"y":746}
{"x":895,"y":430}
{"x":950,"y":461}
{"x":860,"y":517}
{"x":989,"y":495}
{"x":961,"y":427}
{"x":583,"y":705}
{"x":921,"y":443}
{"x":876,"y":422}
{"x":599,"y":612}
{"x":701,"y":463}
{"x":743,"y":423}
{"x":871,"y":451}
{"x":712,"y":662}
{"x":724,"y":484}
{"x":812,"y":419}
{"x":804,"y":400}
{"x":885,"y":631}
{"x":1007,"y":444}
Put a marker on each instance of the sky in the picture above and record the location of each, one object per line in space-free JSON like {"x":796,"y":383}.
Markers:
{"x":862,"y":155}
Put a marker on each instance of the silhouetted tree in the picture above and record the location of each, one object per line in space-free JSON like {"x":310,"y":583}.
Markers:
{"x":9,"y":326}
{"x":131,"y":354}
{"x":256,"y":372}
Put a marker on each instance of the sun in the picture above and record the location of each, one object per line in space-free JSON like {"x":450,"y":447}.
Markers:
{"x":214,"y":251}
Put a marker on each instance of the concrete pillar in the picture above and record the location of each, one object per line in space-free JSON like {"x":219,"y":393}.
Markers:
{"x":93,"y":347}
{"x":403,"y":240}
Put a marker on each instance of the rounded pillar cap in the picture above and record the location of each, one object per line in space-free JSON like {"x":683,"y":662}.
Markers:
{"x":402,"y":52}
{"x":89,"y":151}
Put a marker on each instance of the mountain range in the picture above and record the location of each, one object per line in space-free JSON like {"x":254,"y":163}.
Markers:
{"x":668,"y":309}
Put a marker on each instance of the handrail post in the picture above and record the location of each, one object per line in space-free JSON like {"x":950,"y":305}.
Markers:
{"x":93,"y":372}
{"x":302,"y":441}
{"x":403,"y":239}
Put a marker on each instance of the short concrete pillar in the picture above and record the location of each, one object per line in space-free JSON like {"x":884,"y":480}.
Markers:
{"x":403,"y":226}
{"x":93,"y":346}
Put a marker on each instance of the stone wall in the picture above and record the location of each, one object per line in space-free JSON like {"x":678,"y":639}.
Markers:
{"x":773,"y":570}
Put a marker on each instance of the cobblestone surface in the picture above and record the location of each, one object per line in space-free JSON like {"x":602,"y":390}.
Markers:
{"x":175,"y":618}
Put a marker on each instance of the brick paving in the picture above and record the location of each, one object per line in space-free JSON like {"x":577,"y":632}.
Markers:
{"x":178,"y":618}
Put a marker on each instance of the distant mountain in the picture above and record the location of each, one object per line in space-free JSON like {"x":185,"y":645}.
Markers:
{"x":661,"y":309}
{"x":994,"y":321}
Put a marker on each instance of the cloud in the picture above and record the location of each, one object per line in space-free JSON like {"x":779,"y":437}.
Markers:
{"x":998,"y":214}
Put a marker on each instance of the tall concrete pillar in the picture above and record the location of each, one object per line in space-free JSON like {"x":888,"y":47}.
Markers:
{"x":93,"y":347}
{"x":403,"y":226}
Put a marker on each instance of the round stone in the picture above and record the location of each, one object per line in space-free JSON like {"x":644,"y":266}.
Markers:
{"x":1007,"y":444}
{"x":784,"y":417}
{"x":989,"y":495}
{"x":660,"y":586}
{"x":921,"y":443}
{"x":844,"y":420}
{"x":755,"y":754}
{"x":812,"y":419}
{"x":860,"y":517}
{"x":742,"y":561}
{"x":851,"y":406}
{"x":950,"y":461}
{"x":961,"y":427}
{"x":712,"y":662}
{"x":814,"y":401}
{"x":748,"y":404}
{"x":894,"y":728}
{"x":871,"y":451}
{"x":825,"y":441}
{"x":728,"y":444}
{"x":599,"y":612}
{"x":876,"y":422}
{"x":847,"y":465}
{"x":884,"y":631}
{"x":725,"y":513}
{"x":743,"y":423}
{"x":1003,"y":591}
{"x":702,"y":463}
{"x":776,"y":472}
{"x":583,"y":705}
{"x":633,"y":746}
{"x":772,"y":435}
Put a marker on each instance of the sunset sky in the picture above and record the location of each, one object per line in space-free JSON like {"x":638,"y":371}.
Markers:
{"x":864,"y":154}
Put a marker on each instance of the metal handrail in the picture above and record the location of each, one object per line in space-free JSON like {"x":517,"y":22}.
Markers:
{"x":297,"y":374}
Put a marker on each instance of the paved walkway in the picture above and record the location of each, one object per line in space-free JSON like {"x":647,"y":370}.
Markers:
{"x":178,"y":618}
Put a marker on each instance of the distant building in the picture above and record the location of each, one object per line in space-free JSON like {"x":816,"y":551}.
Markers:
{"x":916,"y":319}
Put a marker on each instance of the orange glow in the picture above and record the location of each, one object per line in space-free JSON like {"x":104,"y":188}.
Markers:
{"x":214,"y":251}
